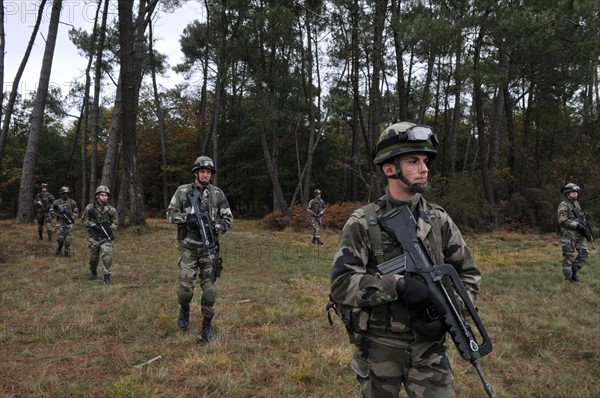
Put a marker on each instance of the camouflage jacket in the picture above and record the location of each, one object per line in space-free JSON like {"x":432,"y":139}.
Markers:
{"x":315,"y":207}
{"x":46,"y":198}
{"x":566,"y":218}
{"x":107,"y":215}
{"x":68,"y":206}
{"x":372,"y":298}
{"x":180,"y":207}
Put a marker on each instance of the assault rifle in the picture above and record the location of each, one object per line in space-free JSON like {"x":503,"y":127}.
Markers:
{"x":584,"y":227}
{"x":444,"y":283}
{"x":66,"y":216}
{"x":105,"y":230}
{"x":205,"y":228}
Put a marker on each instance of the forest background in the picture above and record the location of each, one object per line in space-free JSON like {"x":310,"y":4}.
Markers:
{"x":288,"y":96}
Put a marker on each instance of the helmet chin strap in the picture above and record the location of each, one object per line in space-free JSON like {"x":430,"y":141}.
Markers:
{"x":416,"y":188}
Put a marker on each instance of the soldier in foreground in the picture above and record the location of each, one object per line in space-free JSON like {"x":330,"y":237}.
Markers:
{"x":571,"y":220}
{"x":101,"y":220}
{"x":65,"y":211}
{"x":397,"y":340}
{"x":198,"y":242}
{"x":316,"y":208}
{"x":43,"y":203}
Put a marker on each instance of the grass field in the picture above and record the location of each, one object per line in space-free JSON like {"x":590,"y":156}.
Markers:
{"x":64,"y":336}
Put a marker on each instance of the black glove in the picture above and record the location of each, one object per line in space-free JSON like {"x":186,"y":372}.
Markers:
{"x":412,"y":292}
{"x":581,"y":229}
{"x":430,"y":331}
{"x":192,"y":222}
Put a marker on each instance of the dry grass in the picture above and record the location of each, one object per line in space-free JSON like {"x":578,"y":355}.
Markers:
{"x":62,"y":335}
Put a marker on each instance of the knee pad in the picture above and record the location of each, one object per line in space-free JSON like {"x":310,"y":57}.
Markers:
{"x":209,"y":293}
{"x":184,"y":295}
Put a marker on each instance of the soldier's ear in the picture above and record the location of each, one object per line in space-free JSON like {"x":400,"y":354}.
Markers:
{"x":389,"y":169}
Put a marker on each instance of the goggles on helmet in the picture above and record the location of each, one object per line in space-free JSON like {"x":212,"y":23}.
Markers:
{"x":418,"y":133}
{"x":204,"y":164}
{"x":571,"y":188}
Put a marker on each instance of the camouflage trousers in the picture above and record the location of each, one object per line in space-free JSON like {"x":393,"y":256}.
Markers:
{"x":423,"y":368}
{"x":316,"y":224}
{"x":64,"y":234}
{"x":575,"y":252}
{"x":44,"y":220}
{"x":100,"y":248}
{"x":193,"y":263}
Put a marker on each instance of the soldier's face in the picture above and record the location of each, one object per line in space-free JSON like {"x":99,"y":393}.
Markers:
{"x":44,"y":189}
{"x":203,"y":176}
{"x":414,"y":168}
{"x":573,"y":195}
{"x":102,"y":197}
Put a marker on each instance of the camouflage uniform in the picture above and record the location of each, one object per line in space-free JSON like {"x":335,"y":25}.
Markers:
{"x":44,"y":216}
{"x":193,"y":257}
{"x":64,"y":229}
{"x":316,"y":207}
{"x":388,"y":351}
{"x":396,"y":342}
{"x":98,"y":244}
{"x":571,"y":240}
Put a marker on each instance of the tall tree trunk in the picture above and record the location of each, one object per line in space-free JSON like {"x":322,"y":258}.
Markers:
{"x":426,"y":87}
{"x":100,"y":33}
{"x":219,"y":84}
{"x":25,"y":208}
{"x":128,"y":108}
{"x":111,"y":156}
{"x":15,"y":85}
{"x":308,"y":89}
{"x":358,"y":128}
{"x":456,"y":114}
{"x":161,"y":120}
{"x":480,"y":126}
{"x":375,"y":91}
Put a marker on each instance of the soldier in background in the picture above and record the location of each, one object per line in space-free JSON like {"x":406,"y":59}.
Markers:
{"x":43,"y":203}
{"x":65,"y":211}
{"x":316,"y":208}
{"x":101,"y":220}
{"x":194,"y":258}
{"x":571,"y":238}
{"x":396,"y":340}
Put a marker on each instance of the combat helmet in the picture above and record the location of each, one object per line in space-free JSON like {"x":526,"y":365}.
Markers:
{"x":65,"y":190}
{"x":103,"y":189}
{"x":43,"y":185}
{"x":570,"y":187}
{"x":204,"y":162}
{"x":401,"y":139}
{"x":317,"y":192}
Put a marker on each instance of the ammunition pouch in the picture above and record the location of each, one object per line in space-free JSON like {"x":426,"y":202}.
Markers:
{"x":181,"y":231}
{"x":355,"y":319}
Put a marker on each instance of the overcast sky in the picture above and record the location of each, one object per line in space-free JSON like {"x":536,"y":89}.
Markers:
{"x":68,"y":64}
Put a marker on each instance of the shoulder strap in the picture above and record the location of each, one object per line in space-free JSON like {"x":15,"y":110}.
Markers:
{"x":374,"y":230}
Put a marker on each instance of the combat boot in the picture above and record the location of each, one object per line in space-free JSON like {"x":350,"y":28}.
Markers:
{"x":207,"y":333}
{"x":59,"y":249}
{"x":319,"y":241}
{"x":107,"y":280}
{"x":184,"y":317}
{"x":94,"y":276}
{"x":49,"y":236}
{"x":40,"y":234}
{"x":574,"y":277}
{"x":314,"y":240}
